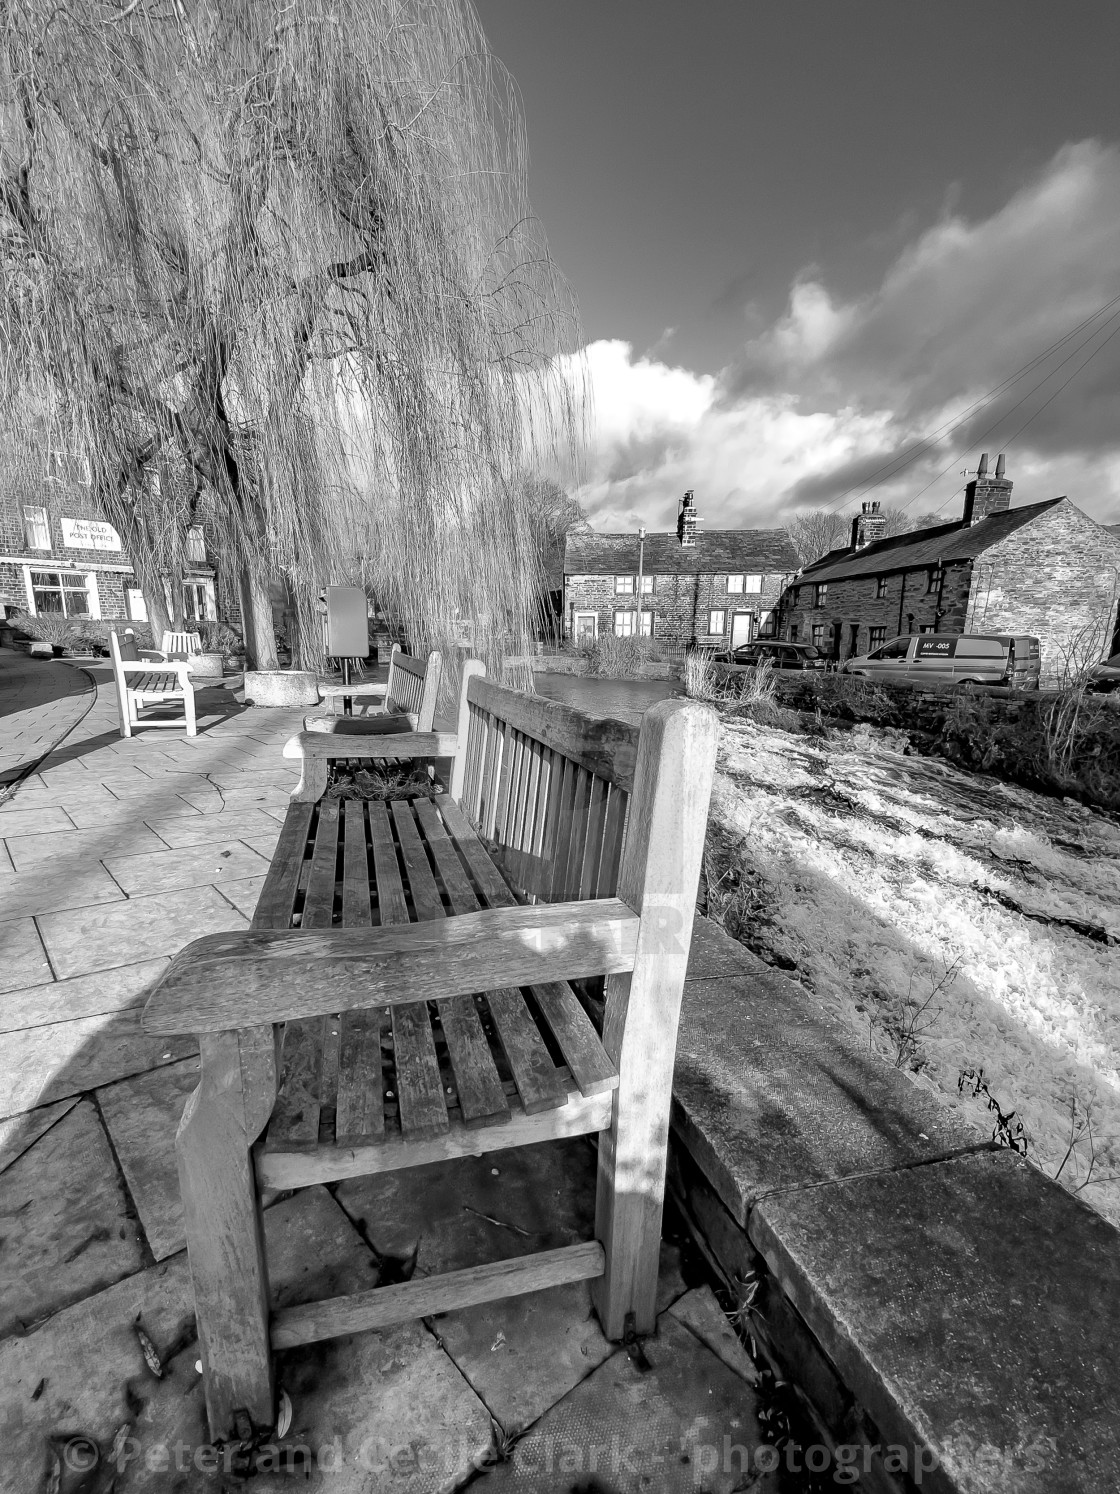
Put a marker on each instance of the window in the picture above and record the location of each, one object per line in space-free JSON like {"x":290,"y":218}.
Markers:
{"x":797,"y":590}
{"x":927,"y":628}
{"x":752,"y":583}
{"x":793,"y":632}
{"x":36,"y":530}
{"x":196,"y":601}
{"x":820,"y":596}
{"x":735,"y":583}
{"x":647,"y":624}
{"x":876,"y":638}
{"x":933,"y":580}
{"x":818,"y":635}
{"x":624,"y":586}
{"x":766,"y":625}
{"x":647,"y":585}
{"x":880,"y":588}
{"x":898,"y":648}
{"x":624,"y":625}
{"x":66,"y":466}
{"x":716,"y":622}
{"x":196,"y":545}
{"x":60,"y":592}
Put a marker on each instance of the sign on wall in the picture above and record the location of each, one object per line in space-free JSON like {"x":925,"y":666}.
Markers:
{"x":89,"y":534}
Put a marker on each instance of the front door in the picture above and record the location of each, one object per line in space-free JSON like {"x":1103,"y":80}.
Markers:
{"x":586,"y":626}
{"x":740,"y":629}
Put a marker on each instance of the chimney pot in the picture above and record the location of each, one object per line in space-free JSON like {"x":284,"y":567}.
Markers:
{"x":999,"y":465}
{"x":982,"y":470}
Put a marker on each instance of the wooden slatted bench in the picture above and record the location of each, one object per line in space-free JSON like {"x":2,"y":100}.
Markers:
{"x":404,"y":996}
{"x":411,"y":690}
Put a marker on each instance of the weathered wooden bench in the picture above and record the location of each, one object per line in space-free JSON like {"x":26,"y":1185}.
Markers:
{"x":403,"y":997}
{"x":411,"y":690}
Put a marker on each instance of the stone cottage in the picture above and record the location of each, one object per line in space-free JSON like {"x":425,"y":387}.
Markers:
{"x":719,"y":588}
{"x":1045,"y":569}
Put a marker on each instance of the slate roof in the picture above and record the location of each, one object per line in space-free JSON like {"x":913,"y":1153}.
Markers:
{"x":716,"y":552}
{"x":914,"y":552}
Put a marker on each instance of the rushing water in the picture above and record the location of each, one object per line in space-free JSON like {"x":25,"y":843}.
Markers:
{"x":625,"y":700}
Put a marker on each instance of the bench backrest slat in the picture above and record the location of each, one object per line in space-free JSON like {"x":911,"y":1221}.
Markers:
{"x":413,"y":687}
{"x":548,"y":789}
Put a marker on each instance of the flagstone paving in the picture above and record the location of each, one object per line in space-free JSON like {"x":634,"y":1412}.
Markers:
{"x":115,"y":853}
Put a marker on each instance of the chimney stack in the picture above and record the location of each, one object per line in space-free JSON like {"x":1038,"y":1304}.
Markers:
{"x":868,"y":526}
{"x":986,"y":495}
{"x":686,"y":520}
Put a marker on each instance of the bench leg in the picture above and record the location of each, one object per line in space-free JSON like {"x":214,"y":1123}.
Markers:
{"x":630,"y":1189}
{"x":188,"y":706}
{"x":658,"y":877}
{"x":127,"y":714}
{"x":225,"y":1243}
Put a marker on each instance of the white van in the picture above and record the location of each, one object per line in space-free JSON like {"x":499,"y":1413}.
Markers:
{"x":953,"y":658}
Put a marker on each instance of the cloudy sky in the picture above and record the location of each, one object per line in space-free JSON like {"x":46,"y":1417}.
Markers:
{"x":810,"y":238}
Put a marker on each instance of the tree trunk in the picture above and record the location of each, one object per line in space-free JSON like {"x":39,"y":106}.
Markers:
{"x":155,"y":603}
{"x":256,"y":621}
{"x":178,"y":620}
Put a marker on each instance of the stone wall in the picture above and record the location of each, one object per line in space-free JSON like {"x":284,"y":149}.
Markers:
{"x":680,"y":604}
{"x":1057,"y":579}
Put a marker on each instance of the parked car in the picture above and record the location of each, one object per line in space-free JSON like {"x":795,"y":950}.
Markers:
{"x":1106,"y":676}
{"x":953,"y":658}
{"x":781,"y":655}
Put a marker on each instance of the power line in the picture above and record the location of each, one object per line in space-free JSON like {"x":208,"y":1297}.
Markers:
{"x":899,"y":463}
{"x":1034,"y":390}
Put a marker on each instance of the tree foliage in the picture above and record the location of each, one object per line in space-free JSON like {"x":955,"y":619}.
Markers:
{"x":275,"y":262}
{"x":818,"y":530}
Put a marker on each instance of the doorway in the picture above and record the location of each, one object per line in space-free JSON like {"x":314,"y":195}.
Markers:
{"x":585,"y":627}
{"x":740,"y":629}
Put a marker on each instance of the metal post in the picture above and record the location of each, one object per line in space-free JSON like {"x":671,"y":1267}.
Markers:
{"x":347,"y":701}
{"x":641,"y":566}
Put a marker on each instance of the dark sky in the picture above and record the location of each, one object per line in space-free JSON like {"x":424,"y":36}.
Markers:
{"x":692,"y":161}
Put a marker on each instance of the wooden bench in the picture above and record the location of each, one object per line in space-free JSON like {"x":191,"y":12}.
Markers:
{"x":403,"y":997}
{"x":412,"y":689}
{"x":143,"y":678}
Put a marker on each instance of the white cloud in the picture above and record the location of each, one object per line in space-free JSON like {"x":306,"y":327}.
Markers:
{"x":835,"y":389}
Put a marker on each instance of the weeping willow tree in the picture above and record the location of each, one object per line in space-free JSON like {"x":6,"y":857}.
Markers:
{"x":278,"y":258}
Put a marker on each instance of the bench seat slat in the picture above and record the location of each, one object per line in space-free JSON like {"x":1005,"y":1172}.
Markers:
{"x":295,"y":1118}
{"x":423,"y":1110}
{"x":278,"y":895}
{"x":482,"y":1099}
{"x":538,"y":1082}
{"x":360,"y":1111}
{"x":391,"y":903}
{"x":570,"y":1025}
{"x":318,"y":905}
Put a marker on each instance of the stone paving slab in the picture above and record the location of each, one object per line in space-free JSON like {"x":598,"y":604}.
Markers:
{"x":121,"y":838}
{"x":82,"y":996}
{"x":23,"y":894}
{"x":18,"y":1132}
{"x":18,"y":821}
{"x":244,"y":895}
{"x":23,"y":960}
{"x":142,"y":1115}
{"x":166,"y":807}
{"x":141,"y":928}
{"x":699,"y":1311}
{"x":190,"y":866}
{"x":92,"y":1370}
{"x":64,"y":1222}
{"x":196,"y":829}
{"x":42,"y":1064}
{"x":524,"y":1353}
{"x":924,"y":1288}
{"x":769,"y":1093}
{"x":687,"y":1422}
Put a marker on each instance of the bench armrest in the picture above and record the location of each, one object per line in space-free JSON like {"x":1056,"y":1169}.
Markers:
{"x":404,"y":744}
{"x":227,"y":981}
